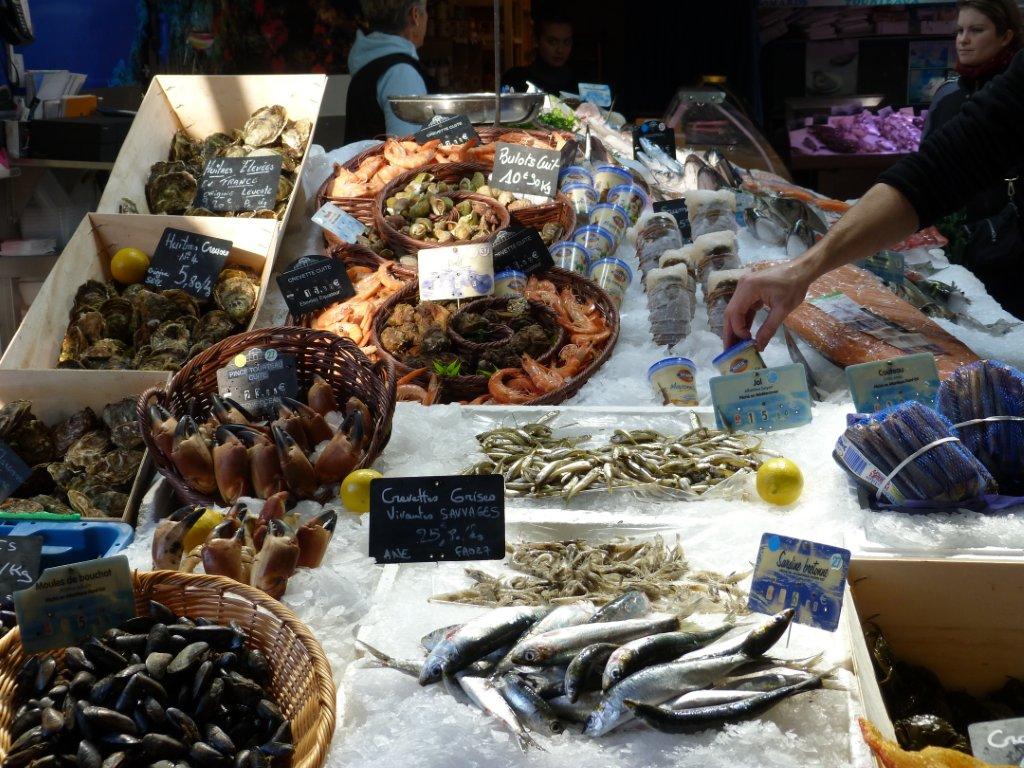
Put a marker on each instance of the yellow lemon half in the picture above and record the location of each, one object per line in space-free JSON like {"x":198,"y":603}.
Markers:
{"x":197,"y":534}
{"x":779,"y":481}
{"x":129,"y":266}
{"x":355,"y":490}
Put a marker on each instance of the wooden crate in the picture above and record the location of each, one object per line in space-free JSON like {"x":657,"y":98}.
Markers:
{"x":962,"y":619}
{"x":36,"y":345}
{"x":202,"y":105}
{"x":55,"y":396}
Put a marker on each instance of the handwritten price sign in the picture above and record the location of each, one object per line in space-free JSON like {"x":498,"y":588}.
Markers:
{"x":526,"y":170}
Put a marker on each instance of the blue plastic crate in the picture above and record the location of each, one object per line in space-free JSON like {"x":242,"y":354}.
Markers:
{"x":73,"y":542}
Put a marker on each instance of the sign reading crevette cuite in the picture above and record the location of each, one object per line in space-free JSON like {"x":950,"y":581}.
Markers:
{"x":453,"y":129}
{"x":314,"y":282}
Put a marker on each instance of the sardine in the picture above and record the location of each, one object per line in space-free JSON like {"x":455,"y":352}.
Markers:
{"x":552,"y":647}
{"x":754,"y":643}
{"x":578,"y":711}
{"x":477,"y":638}
{"x":768,"y":680}
{"x":486,"y":696}
{"x":710,"y":698}
{"x":430,"y":640}
{"x":405,"y":666}
{"x":655,"y":649}
{"x":533,"y":711}
{"x":628,"y":605}
{"x":720,"y":163}
{"x":569,"y":615}
{"x":580,"y":668}
{"x":548,"y":682}
{"x":703,"y":718}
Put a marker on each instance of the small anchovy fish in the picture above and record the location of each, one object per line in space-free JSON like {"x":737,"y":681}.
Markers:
{"x":551,"y":647}
{"x":703,"y":718}
{"x":411,"y":668}
{"x":755,"y":643}
{"x":569,"y":615}
{"x":629,"y":605}
{"x":534,"y":712}
{"x":486,"y":696}
{"x":655,"y":649}
{"x":581,"y":667}
{"x":477,"y":638}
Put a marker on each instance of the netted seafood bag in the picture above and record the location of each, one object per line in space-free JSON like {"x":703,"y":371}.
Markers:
{"x":657,"y":233}
{"x":711,"y":211}
{"x":713,"y":253}
{"x":669,"y":302}
{"x":985,"y":402}
{"x":911,"y":453}
{"x":721,"y":286}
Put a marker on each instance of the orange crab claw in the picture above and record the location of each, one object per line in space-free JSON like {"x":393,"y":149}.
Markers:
{"x":321,"y":397}
{"x":355,"y":404}
{"x":227,"y":411}
{"x":313,"y":538}
{"x":289,"y":420}
{"x":169,"y":537}
{"x":192,"y":458}
{"x":340,"y":456}
{"x":162,"y":425}
{"x":222,"y":556}
{"x":313,"y":424}
{"x":264,"y":466}
{"x":298,"y":472}
{"x":276,"y":561}
{"x":231,"y":466}
{"x":273,"y":509}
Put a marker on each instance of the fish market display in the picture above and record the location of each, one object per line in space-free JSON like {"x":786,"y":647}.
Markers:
{"x":710,"y":172}
{"x":892,"y":755}
{"x":432,"y":211}
{"x":846,"y":344}
{"x":626,"y":578}
{"x":353,"y":317}
{"x":172,"y":185}
{"x":262,"y":550}
{"x":711,"y":211}
{"x":305,"y":449}
{"x":536,"y":463}
{"x":161,"y":689}
{"x":985,"y":402}
{"x":137,"y":328}
{"x":85,"y":464}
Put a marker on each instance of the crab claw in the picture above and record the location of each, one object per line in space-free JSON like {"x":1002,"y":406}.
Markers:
{"x":340,"y":456}
{"x":313,"y":424}
{"x":275,"y":563}
{"x":313,"y":538}
{"x":290,"y":421}
{"x":222,"y":556}
{"x":264,"y":466}
{"x":230,"y":466}
{"x":192,"y":458}
{"x":169,"y":541}
{"x":355,"y":404}
{"x":298,"y":472}
{"x":321,"y":397}
{"x":162,"y":425}
{"x":227,"y":411}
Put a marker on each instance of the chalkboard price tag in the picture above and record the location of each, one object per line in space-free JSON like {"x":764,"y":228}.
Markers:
{"x":656,"y":132}
{"x":455,"y":129}
{"x":314,"y":282}
{"x":240,"y":183}
{"x":71,"y":602}
{"x":13,"y":471}
{"x":526,"y":170}
{"x":520,"y":248}
{"x":425,"y":519}
{"x":678,"y":210}
{"x":19,"y":562}
{"x":257,"y":379}
{"x":188,"y":261}
{"x":998,"y":742}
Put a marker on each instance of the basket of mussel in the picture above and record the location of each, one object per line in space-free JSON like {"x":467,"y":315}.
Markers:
{"x":208,"y":672}
{"x":212,"y":450}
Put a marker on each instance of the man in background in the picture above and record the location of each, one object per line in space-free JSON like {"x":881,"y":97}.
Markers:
{"x":550,"y":70}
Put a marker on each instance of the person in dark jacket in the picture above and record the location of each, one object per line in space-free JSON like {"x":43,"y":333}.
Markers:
{"x":971,"y":152}
{"x":383,"y":64}
{"x":550,"y":70}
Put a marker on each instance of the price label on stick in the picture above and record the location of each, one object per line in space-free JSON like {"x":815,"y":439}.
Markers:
{"x":455,"y":272}
{"x":336,"y":221}
{"x":803,"y":575}
{"x":424,"y":519}
{"x":454,"y":129}
{"x":257,"y":379}
{"x":19,"y":562}
{"x":526,"y":170}
{"x":240,"y":183}
{"x":883,"y":383}
{"x":72,"y":602}
{"x":314,"y":282}
{"x":656,"y":132}
{"x":13,"y":471}
{"x":189,"y":261}
{"x":520,"y":248}
{"x":764,"y":399}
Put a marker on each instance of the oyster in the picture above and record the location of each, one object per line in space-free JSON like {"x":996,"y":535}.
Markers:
{"x":51,"y":504}
{"x":119,"y":412}
{"x":90,"y":296}
{"x":149,"y":305}
{"x":214,"y":144}
{"x":236,"y":292}
{"x":65,"y":475}
{"x":92,"y":325}
{"x":284,"y":189}
{"x":127,"y":435}
{"x":92,"y":501}
{"x":296,"y":134}
{"x":73,"y":427}
{"x":170,"y":337}
{"x":117,"y":316}
{"x":288,"y":163}
{"x":12,"y":416}
{"x":183,"y":147}
{"x":22,"y":505}
{"x":264,"y":126}
{"x":198,"y":212}
{"x":106,"y":355}
{"x":71,"y":348}
{"x":87,"y":449}
{"x":32,"y":441}
{"x":147,"y":360}
{"x":115,"y":468}
{"x":235,"y":150}
{"x":184,"y":303}
{"x":172,"y":193}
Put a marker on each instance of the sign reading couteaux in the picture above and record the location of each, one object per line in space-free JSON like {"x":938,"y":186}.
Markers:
{"x":883,"y":383}
{"x":71,"y":602}
{"x":455,"y":272}
{"x":520,"y":248}
{"x":240,"y":183}
{"x":454,"y":129}
{"x":19,"y":562}
{"x":257,"y":379}
{"x":187,"y":260}
{"x":314,"y":282}
{"x":526,"y":170}
{"x":803,"y":575}
{"x":13,"y":471}
{"x":765,"y":399}
{"x":425,"y":519}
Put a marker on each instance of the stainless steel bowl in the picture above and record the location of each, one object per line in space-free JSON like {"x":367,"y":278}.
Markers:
{"x":478,"y":107}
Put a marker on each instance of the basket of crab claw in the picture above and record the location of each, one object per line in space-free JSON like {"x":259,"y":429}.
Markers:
{"x":536,"y":349}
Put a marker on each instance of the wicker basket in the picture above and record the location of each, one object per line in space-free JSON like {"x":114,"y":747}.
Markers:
{"x":361,"y":256}
{"x":336,"y":359}
{"x":559,"y":210}
{"x":301,"y":678}
{"x":545,"y":316}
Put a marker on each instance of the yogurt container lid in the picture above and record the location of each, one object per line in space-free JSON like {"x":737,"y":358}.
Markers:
{"x":616,"y":262}
{"x":629,"y":189}
{"x":597,"y":229}
{"x":506,"y":274}
{"x":569,"y":245}
{"x":601,"y":206}
{"x":577,"y":186}
{"x":622,"y":172}
{"x":575,"y":169}
{"x":666,"y":362}
{"x":733,"y":350}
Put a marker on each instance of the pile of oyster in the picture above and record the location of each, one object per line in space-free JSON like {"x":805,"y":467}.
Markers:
{"x":86,"y":463}
{"x":172,"y":185}
{"x":147,"y":330}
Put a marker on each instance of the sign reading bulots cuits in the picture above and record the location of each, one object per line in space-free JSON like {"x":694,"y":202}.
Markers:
{"x":526,"y":170}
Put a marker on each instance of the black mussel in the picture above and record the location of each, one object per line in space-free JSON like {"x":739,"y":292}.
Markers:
{"x":258,"y":665}
{"x":203,"y":754}
{"x":190,"y":656}
{"x":77,"y":660}
{"x":141,"y":721}
{"x":202,"y":678}
{"x":129,"y":671}
{"x":121,"y":740}
{"x":26,"y":755}
{"x":158,"y":639}
{"x":283,"y":732}
{"x":68,"y":712}
{"x":243,"y":686}
{"x":88,"y":755}
{"x":219,"y":740}
{"x":51,"y":721}
{"x":227,"y":660}
{"x":103,"y":656}
{"x":202,"y":621}
{"x":242,"y":759}
{"x":103,"y":689}
{"x":277,"y":749}
{"x":45,"y":674}
{"x":111,"y":633}
{"x":32,"y":736}
{"x":154,"y":710}
{"x":28,"y":718}
{"x":219,"y":638}
{"x":162,"y":613}
{"x":26,"y":676}
{"x":130,"y":643}
{"x":160,"y":746}
{"x":116,"y":760}
{"x":270,"y":712}
{"x":138,"y":624}
{"x":184,"y":724}
{"x":163,"y":764}
{"x":58,"y":692}
{"x":47,"y":761}
{"x":208,"y":704}
{"x":82,"y":683}
{"x":103,"y":719}
{"x":156,"y":664}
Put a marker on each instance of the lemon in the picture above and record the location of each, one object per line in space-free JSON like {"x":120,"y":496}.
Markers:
{"x":129,"y":266}
{"x":779,"y":481}
{"x":197,"y":534}
{"x":355,"y":490}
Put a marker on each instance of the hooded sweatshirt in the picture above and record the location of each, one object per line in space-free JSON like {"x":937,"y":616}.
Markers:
{"x":398,"y":80}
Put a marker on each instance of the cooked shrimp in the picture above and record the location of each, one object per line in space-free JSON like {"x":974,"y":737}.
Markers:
{"x":544,"y":379}
{"x":509,"y":386}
